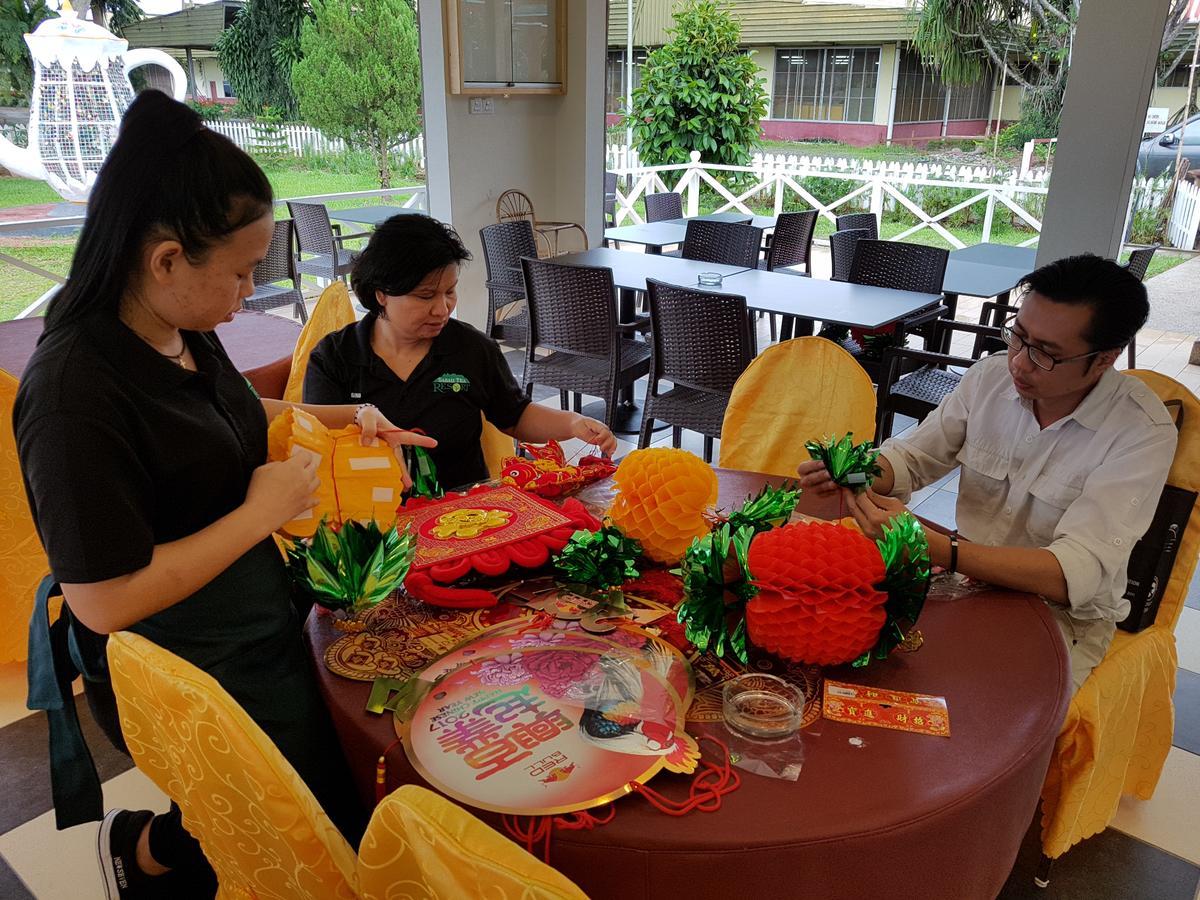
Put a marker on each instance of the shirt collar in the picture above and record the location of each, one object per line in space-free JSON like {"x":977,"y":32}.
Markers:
{"x":444,"y":344}
{"x":1091,"y":411}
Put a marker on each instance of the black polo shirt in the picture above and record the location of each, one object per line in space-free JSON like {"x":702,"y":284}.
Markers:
{"x":463,"y":374}
{"x":121,"y":449}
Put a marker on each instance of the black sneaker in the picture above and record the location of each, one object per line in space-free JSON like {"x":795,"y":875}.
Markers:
{"x":116,"y":848}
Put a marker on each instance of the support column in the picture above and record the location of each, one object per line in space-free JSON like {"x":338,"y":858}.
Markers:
{"x":1108,"y":88}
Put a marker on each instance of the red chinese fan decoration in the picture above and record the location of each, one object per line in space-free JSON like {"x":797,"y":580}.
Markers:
{"x":485,"y":531}
{"x":547,"y":474}
{"x":819,"y":599}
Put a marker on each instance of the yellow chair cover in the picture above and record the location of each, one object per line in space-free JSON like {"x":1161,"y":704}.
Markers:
{"x":450,"y":854}
{"x":497,"y":447}
{"x":1119,"y":725}
{"x":260,"y":826}
{"x":357,"y":482}
{"x":333,"y":312}
{"x":796,"y":391}
{"x":22,"y":560}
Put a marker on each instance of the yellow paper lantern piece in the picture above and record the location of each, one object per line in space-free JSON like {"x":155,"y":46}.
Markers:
{"x":357,"y":482}
{"x":662,"y":495}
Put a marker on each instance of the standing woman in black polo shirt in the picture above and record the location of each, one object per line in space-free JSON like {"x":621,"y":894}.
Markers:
{"x":144,"y":454}
{"x":421,"y":367}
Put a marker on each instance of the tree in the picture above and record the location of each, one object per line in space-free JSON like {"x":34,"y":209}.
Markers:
{"x":700,"y":91}
{"x":18,"y":18}
{"x":115,"y":14}
{"x":359,"y":77}
{"x":258,"y":51}
{"x":1030,"y":39}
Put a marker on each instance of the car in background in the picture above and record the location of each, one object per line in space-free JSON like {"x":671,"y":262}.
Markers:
{"x":1156,"y":154}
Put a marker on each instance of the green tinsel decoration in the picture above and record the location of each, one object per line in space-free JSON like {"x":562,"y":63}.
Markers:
{"x":423,"y":472}
{"x":850,"y":465}
{"x":353,"y":567}
{"x":876,"y":343}
{"x":905,"y":552}
{"x":601,"y":559}
{"x":704,"y":611}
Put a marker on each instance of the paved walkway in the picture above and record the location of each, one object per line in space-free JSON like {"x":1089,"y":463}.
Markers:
{"x":1175,"y":298}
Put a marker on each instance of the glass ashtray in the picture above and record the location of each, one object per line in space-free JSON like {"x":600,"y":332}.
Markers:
{"x":709,"y":279}
{"x":762,"y":707}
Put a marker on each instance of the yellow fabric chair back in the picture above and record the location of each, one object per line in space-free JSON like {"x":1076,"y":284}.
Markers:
{"x":796,"y":391}
{"x":260,"y":826}
{"x":1118,"y":729}
{"x":22,"y":560}
{"x":333,"y":312}
{"x":449,"y":854}
{"x":497,"y":447}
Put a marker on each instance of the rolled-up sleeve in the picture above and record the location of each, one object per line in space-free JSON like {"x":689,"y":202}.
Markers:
{"x":931,"y":449}
{"x":1097,"y":531}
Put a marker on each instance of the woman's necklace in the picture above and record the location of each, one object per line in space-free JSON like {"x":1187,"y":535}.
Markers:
{"x":177,"y":357}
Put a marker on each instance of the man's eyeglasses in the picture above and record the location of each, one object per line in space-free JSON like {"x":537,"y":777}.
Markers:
{"x":1039,"y":358}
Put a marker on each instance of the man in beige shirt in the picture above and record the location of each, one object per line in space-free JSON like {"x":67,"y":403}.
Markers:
{"x":1063,"y":458}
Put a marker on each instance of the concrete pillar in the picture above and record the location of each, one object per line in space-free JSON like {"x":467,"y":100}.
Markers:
{"x":1108,"y":87}
{"x":550,"y":147}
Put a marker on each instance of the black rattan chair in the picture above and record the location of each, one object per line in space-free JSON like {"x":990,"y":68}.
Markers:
{"x":724,"y":243}
{"x":841,"y":251}
{"x":1139,"y":262}
{"x":322,"y":241}
{"x":859,"y":220}
{"x":702,"y":343}
{"x":503,"y":246}
{"x":278,"y":265}
{"x":791,"y":245}
{"x":610,"y":199}
{"x":919,"y":392}
{"x":573,"y":318}
{"x":660,"y":207}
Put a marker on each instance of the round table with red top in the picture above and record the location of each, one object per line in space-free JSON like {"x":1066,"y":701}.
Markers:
{"x":873,"y":813}
{"x":259,"y":344}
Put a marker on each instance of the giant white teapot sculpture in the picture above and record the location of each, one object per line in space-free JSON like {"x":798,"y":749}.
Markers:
{"x":80,"y":91}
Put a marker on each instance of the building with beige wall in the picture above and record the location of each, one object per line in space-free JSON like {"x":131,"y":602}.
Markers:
{"x":840,"y":71}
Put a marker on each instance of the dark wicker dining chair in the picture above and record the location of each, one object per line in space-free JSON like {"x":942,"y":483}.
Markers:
{"x":841,"y":251}
{"x":723,"y":243}
{"x":660,"y":207}
{"x":573,"y":320}
{"x":1139,"y":263}
{"x":791,"y":245}
{"x":316,"y":236}
{"x":278,"y":265}
{"x":918,"y":393}
{"x":702,"y":343}
{"x":869,"y":221}
{"x":610,"y":199}
{"x":503,"y":246}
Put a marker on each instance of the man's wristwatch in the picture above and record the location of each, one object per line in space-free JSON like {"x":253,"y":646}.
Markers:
{"x":953,"y":567}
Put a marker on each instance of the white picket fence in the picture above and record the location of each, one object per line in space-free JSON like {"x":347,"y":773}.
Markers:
{"x":875,"y":190}
{"x":1185,"y":216}
{"x":303,"y":140}
{"x":621,"y":158}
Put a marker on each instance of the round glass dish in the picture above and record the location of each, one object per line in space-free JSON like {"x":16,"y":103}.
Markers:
{"x":709,"y":279}
{"x":762,"y":707}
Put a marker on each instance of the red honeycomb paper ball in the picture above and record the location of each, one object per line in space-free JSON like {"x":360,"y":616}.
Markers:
{"x":818,"y":602}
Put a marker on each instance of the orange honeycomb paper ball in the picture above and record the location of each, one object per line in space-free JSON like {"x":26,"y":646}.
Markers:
{"x":817,"y":600}
{"x":662,"y":495}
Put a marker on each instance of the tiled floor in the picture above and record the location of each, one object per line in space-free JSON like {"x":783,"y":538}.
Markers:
{"x":1152,"y":851}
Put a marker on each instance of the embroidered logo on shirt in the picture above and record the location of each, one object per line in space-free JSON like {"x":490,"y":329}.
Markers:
{"x":451,"y":383}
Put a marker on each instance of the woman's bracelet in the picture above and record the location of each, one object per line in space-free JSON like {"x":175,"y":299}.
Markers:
{"x":358,"y":412}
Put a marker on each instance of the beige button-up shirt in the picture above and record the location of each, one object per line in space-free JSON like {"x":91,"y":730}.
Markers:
{"x":1085,"y":488}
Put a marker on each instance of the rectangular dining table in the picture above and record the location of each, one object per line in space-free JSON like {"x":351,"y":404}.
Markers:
{"x":373,"y":216}
{"x":984,"y":270}
{"x":654,"y":236}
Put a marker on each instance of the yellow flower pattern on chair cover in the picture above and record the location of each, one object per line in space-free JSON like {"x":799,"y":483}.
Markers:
{"x":260,"y":826}
{"x":1119,"y":725}
{"x":22,"y":560}
{"x":450,"y":853}
{"x":333,"y":312}
{"x":796,"y":391}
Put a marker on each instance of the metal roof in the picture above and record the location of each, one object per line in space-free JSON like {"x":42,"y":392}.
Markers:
{"x":197,"y":28}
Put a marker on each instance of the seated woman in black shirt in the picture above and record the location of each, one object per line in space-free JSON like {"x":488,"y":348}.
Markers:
{"x":424,"y":369}
{"x":144,"y":454}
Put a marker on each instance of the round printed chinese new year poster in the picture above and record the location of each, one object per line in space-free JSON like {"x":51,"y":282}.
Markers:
{"x":541,"y":730}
